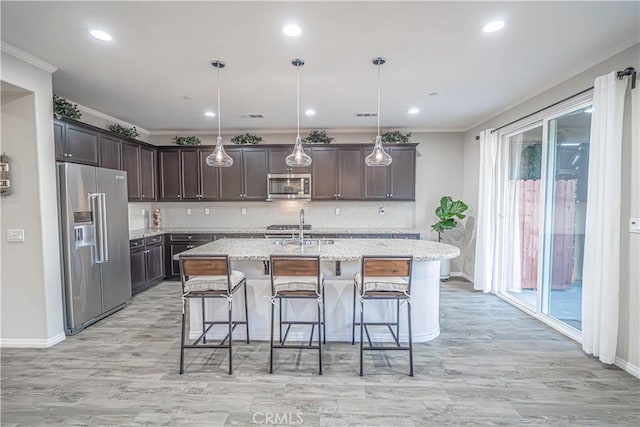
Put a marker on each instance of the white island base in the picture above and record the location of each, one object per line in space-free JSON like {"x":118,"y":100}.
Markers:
{"x":425,"y":306}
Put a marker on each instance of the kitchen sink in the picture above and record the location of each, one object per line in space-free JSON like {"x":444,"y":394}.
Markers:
{"x":307,"y":242}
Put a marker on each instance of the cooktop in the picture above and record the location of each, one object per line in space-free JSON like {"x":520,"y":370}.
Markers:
{"x":288,"y":227}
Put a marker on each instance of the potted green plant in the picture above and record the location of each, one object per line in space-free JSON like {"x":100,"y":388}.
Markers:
{"x":186,"y":140}
{"x":65,"y":109}
{"x":129,"y":132}
{"x":395,"y":137}
{"x":317,"y":137}
{"x":247,"y":138}
{"x":447,"y":213}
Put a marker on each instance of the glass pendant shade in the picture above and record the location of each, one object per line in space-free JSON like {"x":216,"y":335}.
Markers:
{"x":219,"y":158}
{"x":298,"y":158}
{"x":378,"y":156}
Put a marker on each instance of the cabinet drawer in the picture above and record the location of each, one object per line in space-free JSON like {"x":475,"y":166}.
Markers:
{"x":410,"y":236}
{"x":227,"y":236}
{"x":136,"y":243}
{"x":152,"y":240}
{"x":182,"y":237}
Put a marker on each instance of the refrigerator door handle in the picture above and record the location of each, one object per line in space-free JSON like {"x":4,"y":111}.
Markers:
{"x":100,"y":211}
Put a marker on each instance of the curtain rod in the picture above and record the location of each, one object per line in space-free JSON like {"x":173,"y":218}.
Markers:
{"x":629,"y":71}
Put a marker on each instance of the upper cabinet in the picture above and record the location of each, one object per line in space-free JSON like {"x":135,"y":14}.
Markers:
{"x":393,"y":182}
{"x":185,"y":175}
{"x":277,"y":162}
{"x":76,"y":144}
{"x":337,"y":173}
{"x":247,"y":178}
{"x":148,"y":168}
{"x":140,"y":163}
{"x":110,"y":152}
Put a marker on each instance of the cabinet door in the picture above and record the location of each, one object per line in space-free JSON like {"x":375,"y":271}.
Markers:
{"x":403,"y":173}
{"x":81,"y":145}
{"x":324,"y":182}
{"x":155,"y":263}
{"x":255,"y":173}
{"x":376,"y":182}
{"x":148,"y":164}
{"x":138,"y":269}
{"x":277,"y":163}
{"x":231,"y":187}
{"x":351,"y":162}
{"x":110,"y":152}
{"x":169,"y":161}
{"x":189,"y":162}
{"x":209,"y":178}
{"x":131,"y":164}
{"x":58,"y":140}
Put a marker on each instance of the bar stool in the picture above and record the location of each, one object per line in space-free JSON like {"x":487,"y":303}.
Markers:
{"x":208,"y":277}
{"x":383,"y":278}
{"x":297,"y":277}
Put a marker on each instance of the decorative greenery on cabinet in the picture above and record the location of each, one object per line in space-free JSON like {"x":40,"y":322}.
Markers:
{"x":186,"y":140}
{"x":65,"y":109}
{"x":317,"y":137}
{"x":130,"y":132}
{"x":246,"y":138}
{"x":396,"y":137}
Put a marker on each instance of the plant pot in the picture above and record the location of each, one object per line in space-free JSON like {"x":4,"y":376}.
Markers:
{"x":445,"y":269}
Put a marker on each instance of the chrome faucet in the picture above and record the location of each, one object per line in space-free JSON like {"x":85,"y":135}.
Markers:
{"x":301,"y":236}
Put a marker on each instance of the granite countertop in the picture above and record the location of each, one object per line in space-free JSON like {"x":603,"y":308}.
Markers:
{"x":145,"y":232}
{"x":340,"y":250}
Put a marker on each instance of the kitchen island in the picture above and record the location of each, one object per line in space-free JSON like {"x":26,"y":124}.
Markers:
{"x":340,"y":260}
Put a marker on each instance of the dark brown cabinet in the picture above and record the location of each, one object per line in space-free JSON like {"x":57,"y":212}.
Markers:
{"x":76,"y":144}
{"x":170,"y":177}
{"x":110,"y":152}
{"x":177,"y":243}
{"x":131,"y":164}
{"x":393,"y":182}
{"x":185,"y":175}
{"x":148,"y":167}
{"x":247,"y":178}
{"x":277,"y":163}
{"x":209,"y":178}
{"x":147,"y":262}
{"x":140,"y":164}
{"x":190,"y":174}
{"x":337,"y":172}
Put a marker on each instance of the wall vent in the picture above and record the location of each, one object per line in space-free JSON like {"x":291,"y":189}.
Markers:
{"x":366,"y":114}
{"x":251,"y":116}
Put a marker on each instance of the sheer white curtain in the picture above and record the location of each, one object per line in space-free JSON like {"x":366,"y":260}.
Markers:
{"x":601,"y":271}
{"x":488,"y":209}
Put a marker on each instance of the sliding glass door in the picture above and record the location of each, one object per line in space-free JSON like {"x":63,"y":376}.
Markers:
{"x":544,"y":209}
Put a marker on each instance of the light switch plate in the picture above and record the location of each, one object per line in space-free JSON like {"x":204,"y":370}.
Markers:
{"x":206,"y":211}
{"x":15,"y":235}
{"x":634,"y":225}
{"x":243,"y":211}
{"x":188,"y":211}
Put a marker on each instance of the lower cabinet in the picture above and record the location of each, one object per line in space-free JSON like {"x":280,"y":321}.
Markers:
{"x":147,"y":262}
{"x":180,"y":242}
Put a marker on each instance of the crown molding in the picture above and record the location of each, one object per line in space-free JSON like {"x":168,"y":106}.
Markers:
{"x":302,"y":131}
{"x":27,"y":57}
{"x":107,"y":117}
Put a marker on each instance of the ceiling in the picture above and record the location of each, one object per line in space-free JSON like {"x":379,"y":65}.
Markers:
{"x":157,"y":75}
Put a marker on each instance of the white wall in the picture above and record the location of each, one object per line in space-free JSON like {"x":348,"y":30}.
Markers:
{"x":629,"y":333}
{"x":31,"y":280}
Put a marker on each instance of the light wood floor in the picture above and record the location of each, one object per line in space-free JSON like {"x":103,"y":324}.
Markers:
{"x":491,"y":365}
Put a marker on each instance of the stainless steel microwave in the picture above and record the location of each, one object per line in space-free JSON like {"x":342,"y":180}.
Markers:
{"x":289,"y":186}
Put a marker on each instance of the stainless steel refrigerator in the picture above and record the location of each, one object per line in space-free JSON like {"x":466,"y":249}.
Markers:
{"x":95,"y":243}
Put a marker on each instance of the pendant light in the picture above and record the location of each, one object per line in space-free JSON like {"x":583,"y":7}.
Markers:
{"x":298,"y":158}
{"x":378,"y":156}
{"x":219,"y":158}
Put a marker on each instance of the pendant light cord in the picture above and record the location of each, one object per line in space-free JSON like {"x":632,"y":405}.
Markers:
{"x":378,"y":115}
{"x":219,"y":135}
{"x":298,"y":97}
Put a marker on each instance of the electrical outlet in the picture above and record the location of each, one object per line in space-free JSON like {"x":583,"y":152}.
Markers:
{"x":188,"y":211}
{"x":381,"y":210}
{"x":243,"y":211}
{"x":143,"y":212}
{"x":206,"y":211}
{"x":634,"y":225}
{"x":15,"y":235}
{"x":337,"y":211}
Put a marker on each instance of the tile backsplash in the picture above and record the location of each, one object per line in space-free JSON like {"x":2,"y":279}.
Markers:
{"x":262,"y":214}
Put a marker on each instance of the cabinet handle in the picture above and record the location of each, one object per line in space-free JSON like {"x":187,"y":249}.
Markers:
{"x":69,"y":155}
{"x":179,"y":196}
{"x":143,"y":195}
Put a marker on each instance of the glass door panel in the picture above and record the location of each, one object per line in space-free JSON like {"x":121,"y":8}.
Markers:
{"x":522,"y":215}
{"x":565,"y":207}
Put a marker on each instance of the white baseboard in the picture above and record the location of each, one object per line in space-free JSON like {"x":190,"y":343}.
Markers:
{"x":461,"y":274}
{"x":32,"y":343}
{"x":628,"y":367}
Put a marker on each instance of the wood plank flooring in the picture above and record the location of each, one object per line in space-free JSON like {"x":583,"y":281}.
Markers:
{"x":491,"y":365}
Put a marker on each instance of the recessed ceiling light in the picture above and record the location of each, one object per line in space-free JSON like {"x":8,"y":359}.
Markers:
{"x":589,"y":110}
{"x":493,"y":26}
{"x":209,"y":114}
{"x":310,"y":112}
{"x":414,"y":110}
{"x":101,"y":35}
{"x":292,"y":30}
{"x":433,"y":94}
